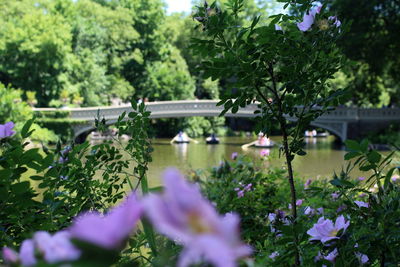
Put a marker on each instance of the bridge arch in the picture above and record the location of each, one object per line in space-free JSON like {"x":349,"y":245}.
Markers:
{"x":336,"y":122}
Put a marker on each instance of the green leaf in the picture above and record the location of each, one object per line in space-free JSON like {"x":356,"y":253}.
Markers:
{"x":374,"y":157}
{"x":25,"y":129}
{"x":352,"y":145}
{"x":20,"y":188}
{"x":351,"y":155}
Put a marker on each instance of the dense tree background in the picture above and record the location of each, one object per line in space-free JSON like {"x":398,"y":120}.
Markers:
{"x":87,"y":52}
{"x":372,"y":46}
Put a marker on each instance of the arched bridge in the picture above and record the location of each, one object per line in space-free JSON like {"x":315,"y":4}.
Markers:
{"x":342,"y":122}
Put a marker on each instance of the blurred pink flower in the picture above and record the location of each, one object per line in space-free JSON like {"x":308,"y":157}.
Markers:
{"x":332,"y":255}
{"x":324,"y":230}
{"x":307,"y":184}
{"x":335,"y":20}
{"x":335,"y":195}
{"x":309,"y":17}
{"x":27,"y":253}
{"x":182,"y":214}
{"x":111,"y":230}
{"x":9,"y":256}
{"x":362,"y":258}
{"x":309,"y":211}
{"x":278,"y":28}
{"x":273,"y":255}
{"x":56,"y":248}
{"x":264,"y":152}
{"x":361,"y":204}
{"x":234,"y":155}
{"x":6,"y":130}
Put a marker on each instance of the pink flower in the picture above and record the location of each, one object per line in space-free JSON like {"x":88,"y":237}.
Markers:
{"x":361,"y":204}
{"x":9,"y":256}
{"x":299,"y":202}
{"x":336,"y":22}
{"x":307,"y":184}
{"x":272,"y":217}
{"x":27,"y":253}
{"x":264,"y":152}
{"x":309,"y":17}
{"x":56,"y":248}
{"x":248,"y":187}
{"x":278,"y":28}
{"x":273,"y":255}
{"x":309,"y":211}
{"x":234,"y":155}
{"x":332,"y":255}
{"x":6,"y":129}
{"x":335,"y":195}
{"x":111,"y":230}
{"x":362,"y":258}
{"x":324,"y":230}
{"x":182,"y":214}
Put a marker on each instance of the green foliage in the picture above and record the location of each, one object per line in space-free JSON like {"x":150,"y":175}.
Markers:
{"x":169,"y":80}
{"x":45,"y":189}
{"x":34,"y":46}
{"x":223,"y":184}
{"x":13,"y":108}
{"x":372,"y":44}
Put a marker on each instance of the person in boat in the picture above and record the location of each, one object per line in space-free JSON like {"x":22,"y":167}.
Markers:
{"x":263,"y":140}
{"x":212,"y":139}
{"x":181,"y":137}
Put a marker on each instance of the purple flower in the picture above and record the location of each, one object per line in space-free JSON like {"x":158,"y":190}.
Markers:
{"x":361,"y":178}
{"x":9,"y":255}
{"x":240,"y":194}
{"x":318,"y":257}
{"x":332,"y":255}
{"x":182,"y":214}
{"x":62,"y":160}
{"x":395,"y":178}
{"x":6,"y":130}
{"x":273,"y":255}
{"x":362,"y":258}
{"x":309,"y":211}
{"x":264,"y":152}
{"x":27,"y":253}
{"x":320,"y":210}
{"x":361,"y":204}
{"x":308,"y":21}
{"x":234,"y":155}
{"x":278,"y":28}
{"x":324,"y":230}
{"x":341,"y":208}
{"x":272,"y":217}
{"x":335,"y":195}
{"x":56,"y":248}
{"x":335,"y":20}
{"x":299,"y":202}
{"x":111,"y":230}
{"x":248,"y":187}
{"x":307,"y":184}
{"x":309,"y":17}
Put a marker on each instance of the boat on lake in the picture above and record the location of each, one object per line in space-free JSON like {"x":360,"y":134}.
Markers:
{"x":212,"y":140}
{"x":181,"y":138}
{"x":262,"y":142}
{"x":315,"y":134}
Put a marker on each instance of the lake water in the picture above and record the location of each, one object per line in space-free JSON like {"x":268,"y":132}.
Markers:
{"x":322,"y":158}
